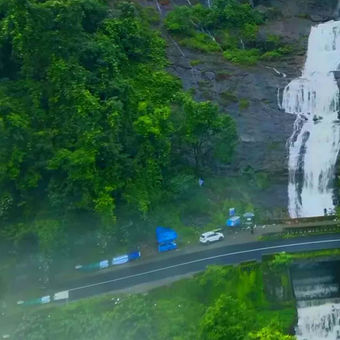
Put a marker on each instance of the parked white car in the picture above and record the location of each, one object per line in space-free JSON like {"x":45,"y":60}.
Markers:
{"x":211,"y":236}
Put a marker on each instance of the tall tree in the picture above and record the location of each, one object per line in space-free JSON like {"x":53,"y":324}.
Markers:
{"x":226,"y":319}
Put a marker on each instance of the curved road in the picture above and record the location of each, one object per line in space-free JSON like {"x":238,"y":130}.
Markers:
{"x":181,"y":264}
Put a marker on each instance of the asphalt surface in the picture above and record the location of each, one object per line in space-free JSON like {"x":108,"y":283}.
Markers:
{"x":129,"y":276}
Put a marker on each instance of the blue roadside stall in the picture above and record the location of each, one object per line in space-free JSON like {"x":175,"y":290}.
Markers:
{"x":166,"y":239}
{"x":234,"y":221}
{"x":248,"y":219}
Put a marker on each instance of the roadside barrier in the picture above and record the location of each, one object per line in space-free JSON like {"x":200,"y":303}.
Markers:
{"x":107,"y":263}
{"x":60,"y":296}
{"x":64,"y":295}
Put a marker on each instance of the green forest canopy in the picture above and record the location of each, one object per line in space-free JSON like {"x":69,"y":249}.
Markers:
{"x":90,"y":119}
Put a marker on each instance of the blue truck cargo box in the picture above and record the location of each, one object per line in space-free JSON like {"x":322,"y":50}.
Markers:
{"x":234,"y":221}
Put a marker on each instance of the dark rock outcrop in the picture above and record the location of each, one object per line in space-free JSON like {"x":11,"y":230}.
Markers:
{"x":316,"y":10}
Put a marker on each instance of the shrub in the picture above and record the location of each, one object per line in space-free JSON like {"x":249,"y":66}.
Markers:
{"x":202,"y":42}
{"x":228,"y":318}
{"x":229,"y":97}
{"x":276,"y":54}
{"x":177,"y":20}
{"x":281,"y":260}
{"x":243,"y":57}
{"x":262,"y":180}
{"x":249,"y":32}
{"x":271,"y":55}
{"x":222,"y":75}
{"x":195,"y":62}
{"x":151,"y":15}
{"x":285,"y":49}
{"x":236,"y":15}
{"x":273,"y":41}
{"x":243,"y":104}
{"x":226,"y":40}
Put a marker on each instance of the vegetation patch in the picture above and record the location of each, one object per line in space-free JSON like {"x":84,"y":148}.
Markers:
{"x":276,"y":54}
{"x":195,"y":62}
{"x":244,"y":57}
{"x":202,"y":42}
{"x":222,"y":75}
{"x":228,"y":26}
{"x":229,"y":96}
{"x":97,"y":132}
{"x":244,"y":104}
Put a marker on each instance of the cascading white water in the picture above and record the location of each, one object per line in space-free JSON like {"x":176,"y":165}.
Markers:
{"x":315,"y":142}
{"x":319,"y":322}
{"x":317,"y":290}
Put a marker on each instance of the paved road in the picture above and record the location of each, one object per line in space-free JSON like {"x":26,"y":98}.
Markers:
{"x":129,"y":276}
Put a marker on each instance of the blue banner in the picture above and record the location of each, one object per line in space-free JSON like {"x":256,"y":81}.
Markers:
{"x":126,"y":258}
{"x":134,"y":255}
{"x":103,"y":264}
{"x":120,"y":259}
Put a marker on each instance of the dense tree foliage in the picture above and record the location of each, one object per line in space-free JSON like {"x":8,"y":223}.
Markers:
{"x":90,"y":119}
{"x":269,"y":333}
{"x":223,"y":14}
{"x":226,"y":319}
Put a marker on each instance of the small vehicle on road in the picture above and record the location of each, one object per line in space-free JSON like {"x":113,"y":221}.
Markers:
{"x":211,"y":236}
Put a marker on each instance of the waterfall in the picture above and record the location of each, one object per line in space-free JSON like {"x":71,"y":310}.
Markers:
{"x":315,"y":142}
{"x":319,"y":322}
{"x":317,"y":291}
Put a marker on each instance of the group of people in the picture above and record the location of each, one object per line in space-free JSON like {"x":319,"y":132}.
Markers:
{"x":329,"y":212}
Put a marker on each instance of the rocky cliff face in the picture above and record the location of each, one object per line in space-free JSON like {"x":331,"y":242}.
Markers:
{"x":252,"y":94}
{"x":316,"y":10}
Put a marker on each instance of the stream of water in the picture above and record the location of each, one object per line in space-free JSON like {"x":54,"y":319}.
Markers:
{"x":315,"y":142}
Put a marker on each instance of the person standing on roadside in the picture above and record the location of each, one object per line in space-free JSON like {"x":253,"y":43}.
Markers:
{"x":252,"y":228}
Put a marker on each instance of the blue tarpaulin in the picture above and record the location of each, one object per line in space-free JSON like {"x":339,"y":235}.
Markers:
{"x":164,"y":234}
{"x":167,"y":246}
{"x":134,"y":255}
{"x":234,"y":221}
{"x":166,"y":239}
{"x":248,"y":215}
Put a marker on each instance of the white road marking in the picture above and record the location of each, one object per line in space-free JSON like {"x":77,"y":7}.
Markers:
{"x":204,"y":259}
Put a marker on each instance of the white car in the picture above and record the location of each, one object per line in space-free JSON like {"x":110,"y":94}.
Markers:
{"x":211,"y":236}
